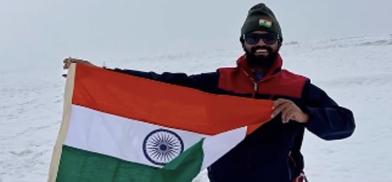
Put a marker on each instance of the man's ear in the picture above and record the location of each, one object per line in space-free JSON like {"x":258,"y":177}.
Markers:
{"x":280,"y":40}
{"x":242,"y":44}
{"x":242,"y":39}
{"x":279,"y":46}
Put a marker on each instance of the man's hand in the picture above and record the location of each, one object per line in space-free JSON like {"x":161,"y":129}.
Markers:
{"x":289,"y":111}
{"x":68,"y":61}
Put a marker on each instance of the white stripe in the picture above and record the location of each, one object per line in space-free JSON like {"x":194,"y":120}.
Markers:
{"x":216,"y":146}
{"x":116,"y":136}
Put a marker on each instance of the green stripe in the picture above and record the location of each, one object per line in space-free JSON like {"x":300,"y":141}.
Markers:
{"x":82,"y":166}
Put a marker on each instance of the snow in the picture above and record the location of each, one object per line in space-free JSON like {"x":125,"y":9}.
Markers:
{"x":355,"y":71}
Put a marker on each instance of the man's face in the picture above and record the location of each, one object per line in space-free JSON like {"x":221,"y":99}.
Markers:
{"x":261,"y":48}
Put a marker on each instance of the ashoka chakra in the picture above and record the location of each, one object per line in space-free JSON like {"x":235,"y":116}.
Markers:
{"x":161,"y":146}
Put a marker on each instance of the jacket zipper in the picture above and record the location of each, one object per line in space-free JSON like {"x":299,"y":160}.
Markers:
{"x":255,"y":89}
{"x":255,"y":84}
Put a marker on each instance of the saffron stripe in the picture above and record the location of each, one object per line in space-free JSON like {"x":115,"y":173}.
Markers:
{"x":165,"y":104}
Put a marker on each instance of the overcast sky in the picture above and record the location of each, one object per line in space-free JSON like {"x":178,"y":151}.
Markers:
{"x":119,"y":29}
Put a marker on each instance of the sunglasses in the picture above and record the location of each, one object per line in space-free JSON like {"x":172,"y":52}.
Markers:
{"x":254,"y":38}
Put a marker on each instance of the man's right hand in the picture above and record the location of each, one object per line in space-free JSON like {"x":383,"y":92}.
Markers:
{"x":68,"y":61}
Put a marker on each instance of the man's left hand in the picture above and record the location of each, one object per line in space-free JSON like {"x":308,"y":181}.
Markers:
{"x":289,"y":111}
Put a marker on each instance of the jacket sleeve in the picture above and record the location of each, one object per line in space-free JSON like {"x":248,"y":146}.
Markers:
{"x":204,"y":81}
{"x":327,"y":119}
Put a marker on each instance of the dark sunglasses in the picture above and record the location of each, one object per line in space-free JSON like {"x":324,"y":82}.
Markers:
{"x":254,"y":38}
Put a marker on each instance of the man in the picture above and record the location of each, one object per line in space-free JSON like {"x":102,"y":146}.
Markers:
{"x":272,"y":152}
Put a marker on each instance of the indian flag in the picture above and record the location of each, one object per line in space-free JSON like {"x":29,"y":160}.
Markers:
{"x":118,"y":127}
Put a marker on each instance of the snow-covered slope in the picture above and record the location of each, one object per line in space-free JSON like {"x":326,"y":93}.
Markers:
{"x":355,"y":71}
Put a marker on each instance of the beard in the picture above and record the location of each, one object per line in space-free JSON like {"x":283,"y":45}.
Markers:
{"x":263,"y":61}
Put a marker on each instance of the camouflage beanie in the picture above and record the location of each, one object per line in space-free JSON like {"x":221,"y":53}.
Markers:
{"x":260,"y":17}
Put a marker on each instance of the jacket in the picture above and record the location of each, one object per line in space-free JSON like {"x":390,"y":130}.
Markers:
{"x":272,"y":152}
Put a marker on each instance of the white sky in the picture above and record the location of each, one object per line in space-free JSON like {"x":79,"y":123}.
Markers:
{"x":119,"y":29}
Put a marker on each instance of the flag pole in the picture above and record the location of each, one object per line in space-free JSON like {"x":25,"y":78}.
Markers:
{"x":54,"y":165}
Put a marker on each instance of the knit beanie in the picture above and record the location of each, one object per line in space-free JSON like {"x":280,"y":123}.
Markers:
{"x":260,"y":17}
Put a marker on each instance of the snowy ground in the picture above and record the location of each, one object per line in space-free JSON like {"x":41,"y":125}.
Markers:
{"x":355,"y":71}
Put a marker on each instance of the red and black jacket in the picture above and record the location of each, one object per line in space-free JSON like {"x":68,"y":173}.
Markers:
{"x":272,"y":152}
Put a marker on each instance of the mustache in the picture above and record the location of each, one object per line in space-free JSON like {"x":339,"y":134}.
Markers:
{"x":253,"y":49}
